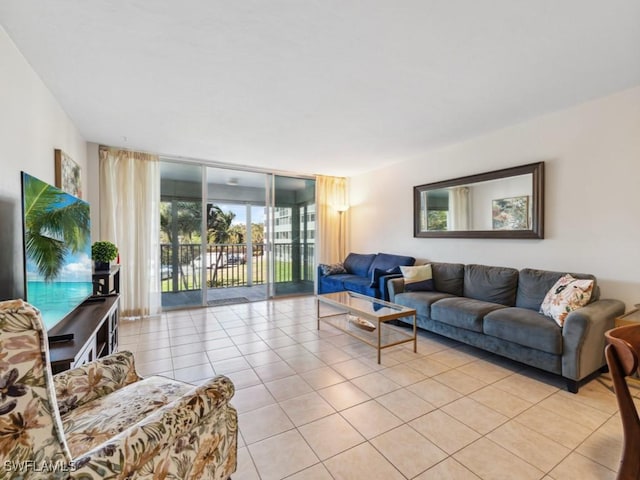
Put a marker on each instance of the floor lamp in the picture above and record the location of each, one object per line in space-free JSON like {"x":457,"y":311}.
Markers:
{"x":341,"y":209}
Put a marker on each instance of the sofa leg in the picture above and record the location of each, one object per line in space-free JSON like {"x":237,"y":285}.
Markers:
{"x":572,"y":385}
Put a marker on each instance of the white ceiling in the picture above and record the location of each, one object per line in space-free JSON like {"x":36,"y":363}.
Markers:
{"x":319,"y":86}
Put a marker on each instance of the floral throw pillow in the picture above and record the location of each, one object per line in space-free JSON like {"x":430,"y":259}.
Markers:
{"x":566,"y":295}
{"x":332,"y":269}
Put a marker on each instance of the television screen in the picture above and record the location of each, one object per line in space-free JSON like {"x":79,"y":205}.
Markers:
{"x":57,"y":249}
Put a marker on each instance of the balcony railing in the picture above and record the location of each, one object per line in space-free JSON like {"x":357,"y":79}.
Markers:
{"x":229,"y":265}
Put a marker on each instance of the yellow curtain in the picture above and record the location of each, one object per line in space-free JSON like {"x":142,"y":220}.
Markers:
{"x":332,"y":218}
{"x":130,"y":218}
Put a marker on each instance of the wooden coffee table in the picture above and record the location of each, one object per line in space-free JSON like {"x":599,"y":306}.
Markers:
{"x":372,"y":314}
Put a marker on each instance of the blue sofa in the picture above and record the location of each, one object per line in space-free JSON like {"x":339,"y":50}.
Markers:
{"x":497,"y":309}
{"x":364,"y":273}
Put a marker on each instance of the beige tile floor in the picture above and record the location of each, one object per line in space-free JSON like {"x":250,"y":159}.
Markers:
{"x":316,"y":405}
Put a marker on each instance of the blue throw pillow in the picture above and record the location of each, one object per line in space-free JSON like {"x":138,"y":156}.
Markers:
{"x":379,"y":272}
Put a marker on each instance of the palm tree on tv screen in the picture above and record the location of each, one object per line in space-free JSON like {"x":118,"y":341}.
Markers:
{"x":55,"y":225}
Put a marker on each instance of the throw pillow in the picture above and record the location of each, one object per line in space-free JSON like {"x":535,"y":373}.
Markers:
{"x":417,"y":279}
{"x":566,"y":295}
{"x":332,"y":269}
{"x":379,"y":272}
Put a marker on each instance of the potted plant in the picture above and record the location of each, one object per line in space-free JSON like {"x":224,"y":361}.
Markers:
{"x":102,"y":253}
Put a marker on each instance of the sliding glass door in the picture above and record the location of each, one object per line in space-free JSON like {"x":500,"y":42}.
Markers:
{"x":231,"y":236}
{"x":181,"y":259}
{"x":293,"y":235}
{"x":236,"y":226}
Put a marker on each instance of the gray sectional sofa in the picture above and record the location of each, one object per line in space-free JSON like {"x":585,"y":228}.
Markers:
{"x":496,"y":309}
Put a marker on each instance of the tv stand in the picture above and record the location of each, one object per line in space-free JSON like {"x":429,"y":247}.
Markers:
{"x":94,"y":326}
{"x":95,"y":299}
{"x":106,"y":281}
{"x":63,"y":337}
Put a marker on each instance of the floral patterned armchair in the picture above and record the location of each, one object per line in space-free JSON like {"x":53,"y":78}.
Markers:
{"x":102,"y":420}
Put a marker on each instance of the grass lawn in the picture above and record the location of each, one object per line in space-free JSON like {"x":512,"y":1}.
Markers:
{"x":230,"y":275}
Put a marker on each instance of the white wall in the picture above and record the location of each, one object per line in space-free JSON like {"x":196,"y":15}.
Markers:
{"x":32,"y":125}
{"x":592,"y":214}
{"x":93,"y":189}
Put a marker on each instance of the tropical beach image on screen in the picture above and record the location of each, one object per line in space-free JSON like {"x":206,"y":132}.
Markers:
{"x":57,"y":241}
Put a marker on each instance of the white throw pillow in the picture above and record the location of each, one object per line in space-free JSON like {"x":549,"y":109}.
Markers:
{"x":418,"y":278}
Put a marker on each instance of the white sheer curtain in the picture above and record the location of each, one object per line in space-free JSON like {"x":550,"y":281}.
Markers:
{"x":459,"y":208}
{"x":130,"y":218}
{"x":331,"y":225}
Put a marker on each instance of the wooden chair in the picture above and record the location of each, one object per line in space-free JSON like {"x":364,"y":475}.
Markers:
{"x":622,"y":354}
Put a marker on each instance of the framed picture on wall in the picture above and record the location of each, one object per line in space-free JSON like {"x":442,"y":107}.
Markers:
{"x":68,"y":172}
{"x":511,"y":213}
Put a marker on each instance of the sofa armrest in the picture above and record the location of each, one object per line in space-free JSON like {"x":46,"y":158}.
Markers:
{"x":320,"y":283}
{"x":93,"y":380}
{"x":189,"y":426}
{"x":583,"y":337}
{"x":383,"y":285}
{"x":395,"y":286}
{"x":319,"y":272}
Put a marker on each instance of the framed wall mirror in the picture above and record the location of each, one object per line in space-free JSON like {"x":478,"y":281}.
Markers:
{"x":507,"y":203}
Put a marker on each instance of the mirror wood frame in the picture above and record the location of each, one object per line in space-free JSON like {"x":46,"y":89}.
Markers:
{"x":537,"y":203}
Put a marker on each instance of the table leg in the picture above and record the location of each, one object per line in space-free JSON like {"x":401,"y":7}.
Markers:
{"x":379,"y":340}
{"x":415,"y":336}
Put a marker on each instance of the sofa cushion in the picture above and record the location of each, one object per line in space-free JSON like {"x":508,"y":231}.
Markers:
{"x":102,"y":419}
{"x":448,"y":277}
{"x":462,"y":312}
{"x":417,"y":279}
{"x":360,"y":285}
{"x":491,"y":284}
{"x":387,"y":261}
{"x":420,"y":301}
{"x":359,"y":263}
{"x":534,"y":284}
{"x":524,"y":327}
{"x":566,"y":295}
{"x":335,"y":283}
